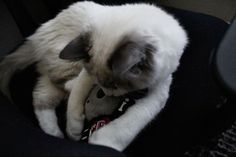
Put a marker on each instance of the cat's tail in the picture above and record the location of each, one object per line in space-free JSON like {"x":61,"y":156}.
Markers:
{"x":16,"y":61}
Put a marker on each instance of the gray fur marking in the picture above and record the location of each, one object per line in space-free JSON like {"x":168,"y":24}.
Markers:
{"x":131,"y":60}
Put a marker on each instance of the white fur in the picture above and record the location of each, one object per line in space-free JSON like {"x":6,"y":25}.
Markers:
{"x":108,"y":25}
{"x":48,"y":122}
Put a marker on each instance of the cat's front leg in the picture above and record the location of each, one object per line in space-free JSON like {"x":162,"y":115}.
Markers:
{"x":75,"y":110}
{"x":119,"y":133}
{"x":46,"y":97}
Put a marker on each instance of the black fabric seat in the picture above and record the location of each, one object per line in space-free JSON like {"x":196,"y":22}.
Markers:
{"x":196,"y":111}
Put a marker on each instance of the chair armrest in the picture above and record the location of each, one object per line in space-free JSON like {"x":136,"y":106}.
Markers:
{"x":225,"y":61}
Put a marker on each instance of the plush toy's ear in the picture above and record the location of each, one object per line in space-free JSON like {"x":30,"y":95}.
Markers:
{"x":77,"y":49}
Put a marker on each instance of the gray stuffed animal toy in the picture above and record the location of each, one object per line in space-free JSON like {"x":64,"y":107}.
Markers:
{"x":101,"y":109}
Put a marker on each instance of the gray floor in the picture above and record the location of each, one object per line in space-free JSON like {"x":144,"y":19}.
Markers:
{"x":224,"y":9}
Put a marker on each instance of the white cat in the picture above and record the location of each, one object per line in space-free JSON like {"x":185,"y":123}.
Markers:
{"x":120,"y":48}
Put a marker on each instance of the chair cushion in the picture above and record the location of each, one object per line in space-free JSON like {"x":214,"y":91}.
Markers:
{"x":10,"y":35}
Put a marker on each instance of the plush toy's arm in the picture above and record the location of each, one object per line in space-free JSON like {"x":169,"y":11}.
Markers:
{"x":75,"y":110}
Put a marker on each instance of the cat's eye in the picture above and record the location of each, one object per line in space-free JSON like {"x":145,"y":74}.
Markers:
{"x":141,"y":64}
{"x":136,"y":69}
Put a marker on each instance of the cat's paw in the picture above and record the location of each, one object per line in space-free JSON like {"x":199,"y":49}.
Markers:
{"x":108,"y":136}
{"x":74,"y":127}
{"x":56,"y":133}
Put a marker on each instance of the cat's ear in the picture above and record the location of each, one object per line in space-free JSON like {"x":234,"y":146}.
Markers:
{"x":77,"y":49}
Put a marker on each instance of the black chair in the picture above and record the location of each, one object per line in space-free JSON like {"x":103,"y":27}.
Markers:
{"x":199,"y":108}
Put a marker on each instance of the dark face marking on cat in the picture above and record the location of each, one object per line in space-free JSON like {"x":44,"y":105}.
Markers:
{"x":125,"y":57}
{"x":78,"y":48}
{"x":131,"y":64}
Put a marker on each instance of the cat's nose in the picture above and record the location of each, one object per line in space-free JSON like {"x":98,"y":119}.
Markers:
{"x":108,"y":83}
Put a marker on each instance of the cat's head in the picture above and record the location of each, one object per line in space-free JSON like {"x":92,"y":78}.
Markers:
{"x":128,"y":66}
{"x":130,"y":58}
